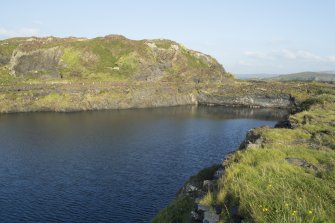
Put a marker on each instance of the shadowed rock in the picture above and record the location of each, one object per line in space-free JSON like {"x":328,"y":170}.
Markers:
{"x":42,"y":63}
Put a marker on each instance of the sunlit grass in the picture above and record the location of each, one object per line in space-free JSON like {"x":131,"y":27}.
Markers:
{"x":265,"y":187}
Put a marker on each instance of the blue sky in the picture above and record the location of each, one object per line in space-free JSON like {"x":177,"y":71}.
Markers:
{"x":247,"y":37}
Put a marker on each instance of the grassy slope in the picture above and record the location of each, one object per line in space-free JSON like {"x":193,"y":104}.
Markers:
{"x":95,"y":58}
{"x":267,"y":188}
{"x":304,"y":76}
{"x":107,"y":71}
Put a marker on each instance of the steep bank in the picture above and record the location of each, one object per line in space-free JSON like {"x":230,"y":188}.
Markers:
{"x":68,"y":96}
{"x":277,"y":175}
{"x":93,"y":96}
{"x":82,"y":94}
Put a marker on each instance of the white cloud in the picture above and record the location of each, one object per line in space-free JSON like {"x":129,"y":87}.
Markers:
{"x":281,"y":61}
{"x":21,"y":32}
{"x":258,"y":55}
{"x":298,"y":55}
{"x":331,"y":58}
{"x":244,"y":63}
{"x":289,"y":54}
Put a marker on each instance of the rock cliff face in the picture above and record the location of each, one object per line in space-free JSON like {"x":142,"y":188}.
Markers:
{"x":280,"y":101}
{"x":38,"y":63}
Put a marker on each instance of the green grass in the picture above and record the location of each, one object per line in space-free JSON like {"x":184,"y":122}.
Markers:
{"x":165,"y":44}
{"x":57,"y":101}
{"x":178,"y":211}
{"x":193,"y":61}
{"x":264,"y":179}
{"x":117,"y":58}
{"x":284,"y":136}
{"x":267,"y":188}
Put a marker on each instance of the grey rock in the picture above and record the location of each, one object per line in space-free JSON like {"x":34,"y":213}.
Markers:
{"x":252,"y":139}
{"x":284,"y":124}
{"x":39,"y":63}
{"x":203,"y":208}
{"x":209,"y":185}
{"x":211,"y":217}
{"x":191,"y":188}
{"x":282,"y":101}
{"x":301,"y":162}
{"x":195,"y":216}
{"x":218,"y":173}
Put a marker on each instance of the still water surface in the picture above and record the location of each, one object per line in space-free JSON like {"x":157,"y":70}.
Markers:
{"x":111,"y":166}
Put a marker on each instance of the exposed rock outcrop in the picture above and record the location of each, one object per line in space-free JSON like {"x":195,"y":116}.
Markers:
{"x":301,"y":162}
{"x":281,"y":101}
{"x":195,"y":189}
{"x":39,"y":63}
{"x":4,"y":59}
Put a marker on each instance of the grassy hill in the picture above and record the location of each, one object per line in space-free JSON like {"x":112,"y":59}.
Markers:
{"x":306,"y":76}
{"x":111,"y":57}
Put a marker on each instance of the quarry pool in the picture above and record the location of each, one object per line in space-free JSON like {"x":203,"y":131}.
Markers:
{"x":111,"y":166}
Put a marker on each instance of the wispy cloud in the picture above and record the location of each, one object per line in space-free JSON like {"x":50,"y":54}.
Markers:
{"x":245,"y":63}
{"x":21,"y":32}
{"x":331,"y":58}
{"x":258,"y":55}
{"x":289,"y":54}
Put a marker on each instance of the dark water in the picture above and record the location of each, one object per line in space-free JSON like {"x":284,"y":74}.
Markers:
{"x":112,"y":166}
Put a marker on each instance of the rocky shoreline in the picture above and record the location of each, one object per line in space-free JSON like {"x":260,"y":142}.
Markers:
{"x":87,"y":96}
{"x":256,"y":101}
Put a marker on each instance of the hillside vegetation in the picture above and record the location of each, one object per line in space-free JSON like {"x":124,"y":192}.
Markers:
{"x":111,"y":72}
{"x":109,"y":58}
{"x":288,"y":175}
{"x":305,"y":76}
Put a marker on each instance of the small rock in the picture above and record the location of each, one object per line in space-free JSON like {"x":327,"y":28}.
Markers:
{"x":209,"y":185}
{"x":211,"y":217}
{"x":203,"y":208}
{"x":218,"y":173}
{"x":301,"y":162}
{"x":190,"y":188}
{"x":283,"y":124}
{"x":195,"y":216}
{"x":296,"y":161}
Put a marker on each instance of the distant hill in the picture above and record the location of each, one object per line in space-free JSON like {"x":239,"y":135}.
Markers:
{"x":327,"y":76}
